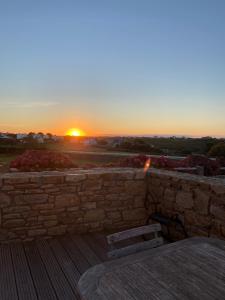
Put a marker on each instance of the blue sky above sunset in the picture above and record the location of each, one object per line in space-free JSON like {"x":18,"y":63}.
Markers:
{"x":113,"y":67}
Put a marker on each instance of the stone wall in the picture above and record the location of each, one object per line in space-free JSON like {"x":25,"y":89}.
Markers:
{"x":53,"y":203}
{"x":35,"y":205}
{"x":198,"y":201}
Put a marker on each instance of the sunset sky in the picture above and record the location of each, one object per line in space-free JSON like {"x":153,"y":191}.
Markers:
{"x":113,"y":67}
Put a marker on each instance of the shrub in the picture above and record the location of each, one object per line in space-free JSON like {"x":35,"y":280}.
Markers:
{"x":39,"y":160}
{"x":217,"y":150}
{"x":211,"y":167}
{"x":133,"y":162}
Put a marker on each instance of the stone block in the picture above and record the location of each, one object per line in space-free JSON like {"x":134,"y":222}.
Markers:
{"x":52,"y":191}
{"x":218,"y":212}
{"x":34,"y":191}
{"x":41,"y":206}
{"x":15,"y":193}
{"x":31,"y":199}
{"x":109,"y":177}
{"x":16,"y":209}
{"x":201,"y":201}
{"x":48,"y":224}
{"x":52,"y":211}
{"x":157,"y":191}
{"x":194,"y":219}
{"x":34,"y":179}
{"x":66,"y":200}
{"x":138,"y":201}
{"x":112,"y":197}
{"x":31,"y":221}
{"x":215,"y":230}
{"x":135,"y":214}
{"x":6,"y":188}
{"x":37,"y":232}
{"x":57,"y":230}
{"x":92,"y":185}
{"x":88,"y":205}
{"x":73,"y":208}
{"x":110,"y":183}
{"x":16,"y":180}
{"x":25,"y":186}
{"x":140,"y":175}
{"x":114,"y":215}
{"x":13,"y":223}
{"x":94,"y":175}
{"x":4,"y":200}
{"x":169,"y":194}
{"x":134,"y":187}
{"x":154,"y":181}
{"x":11,"y":216}
{"x":125,"y":175}
{"x":47,"y":218}
{"x":184,"y":200}
{"x":75,"y":177}
{"x":218,"y":188}
{"x":94,"y":215}
{"x":58,"y":179}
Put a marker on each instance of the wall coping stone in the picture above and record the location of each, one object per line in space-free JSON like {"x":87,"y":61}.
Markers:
{"x":97,"y":171}
{"x":187,"y":177}
{"x":69,"y":172}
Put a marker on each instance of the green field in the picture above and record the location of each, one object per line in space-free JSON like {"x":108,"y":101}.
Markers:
{"x":5,"y":159}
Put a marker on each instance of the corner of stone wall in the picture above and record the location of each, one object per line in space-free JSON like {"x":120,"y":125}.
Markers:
{"x":198,"y":201}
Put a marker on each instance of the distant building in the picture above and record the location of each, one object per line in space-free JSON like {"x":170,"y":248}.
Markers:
{"x":21,"y":136}
{"x":90,"y":142}
{"x":5,"y":136}
{"x":39,"y":138}
{"x":116,"y":142}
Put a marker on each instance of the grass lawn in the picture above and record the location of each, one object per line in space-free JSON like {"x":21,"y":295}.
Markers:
{"x":95,"y":158}
{"x":5,"y":159}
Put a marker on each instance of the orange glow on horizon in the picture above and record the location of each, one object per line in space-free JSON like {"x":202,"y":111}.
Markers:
{"x":75,"y":132}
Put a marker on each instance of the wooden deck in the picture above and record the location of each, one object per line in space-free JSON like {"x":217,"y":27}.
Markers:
{"x":48,"y":269}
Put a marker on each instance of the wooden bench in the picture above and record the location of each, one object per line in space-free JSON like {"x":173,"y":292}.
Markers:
{"x":132,"y":233}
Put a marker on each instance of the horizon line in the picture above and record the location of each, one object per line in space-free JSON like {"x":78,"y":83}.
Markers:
{"x":131,"y":135}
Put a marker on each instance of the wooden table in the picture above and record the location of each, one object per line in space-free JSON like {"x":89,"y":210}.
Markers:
{"x":190,"y":269}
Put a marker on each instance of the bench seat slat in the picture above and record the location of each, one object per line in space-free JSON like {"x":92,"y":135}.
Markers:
{"x":127,"y":234}
{"x":116,"y":253}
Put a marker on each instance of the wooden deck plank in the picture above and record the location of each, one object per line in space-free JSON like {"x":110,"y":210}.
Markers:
{"x":100,"y":238}
{"x":8,"y":288}
{"x":57,"y":277}
{"x":96,"y":246}
{"x":48,"y":270}
{"x":79,"y":260}
{"x":66,"y":264}
{"x":41,"y":280}
{"x":86,"y":250}
{"x":24,"y":282}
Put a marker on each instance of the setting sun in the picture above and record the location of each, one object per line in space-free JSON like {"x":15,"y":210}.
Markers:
{"x":75,"y":132}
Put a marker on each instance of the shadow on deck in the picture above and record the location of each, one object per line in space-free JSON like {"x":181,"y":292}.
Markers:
{"x":49,"y":269}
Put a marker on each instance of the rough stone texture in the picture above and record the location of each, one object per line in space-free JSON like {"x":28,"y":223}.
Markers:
{"x":198,"y":201}
{"x":45,"y":204}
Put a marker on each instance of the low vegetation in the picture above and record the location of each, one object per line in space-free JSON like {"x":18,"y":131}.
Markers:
{"x":49,"y":154}
{"x":38,"y":160}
